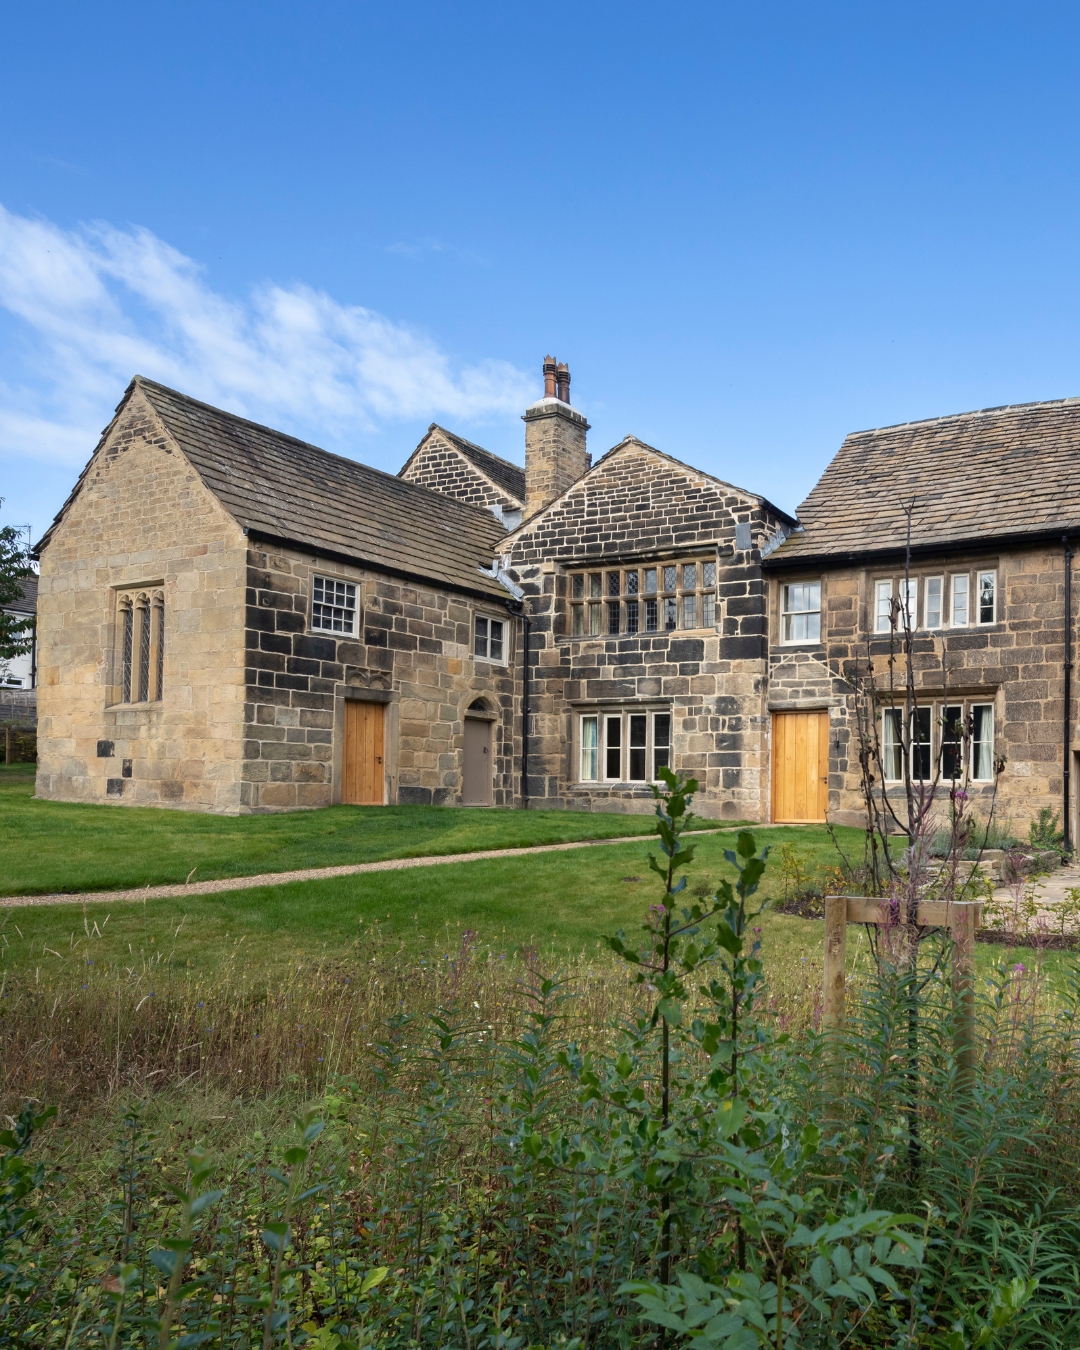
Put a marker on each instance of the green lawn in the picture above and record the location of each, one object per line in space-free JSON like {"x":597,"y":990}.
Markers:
{"x":60,"y":846}
{"x":561,"y":902}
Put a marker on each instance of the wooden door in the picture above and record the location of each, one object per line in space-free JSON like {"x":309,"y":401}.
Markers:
{"x":476,"y":783}
{"x":363,"y":775}
{"x":800,"y":766}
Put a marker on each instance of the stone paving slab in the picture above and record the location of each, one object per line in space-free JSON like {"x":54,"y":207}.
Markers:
{"x":221,"y":884}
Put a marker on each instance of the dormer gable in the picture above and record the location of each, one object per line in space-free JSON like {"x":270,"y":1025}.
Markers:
{"x":447,"y":463}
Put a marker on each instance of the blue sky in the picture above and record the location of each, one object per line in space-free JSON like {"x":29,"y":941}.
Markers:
{"x":749,"y":229}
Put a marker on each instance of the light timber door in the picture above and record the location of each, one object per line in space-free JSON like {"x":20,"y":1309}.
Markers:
{"x":476,"y":786}
{"x":363,"y":773}
{"x":800,"y":766}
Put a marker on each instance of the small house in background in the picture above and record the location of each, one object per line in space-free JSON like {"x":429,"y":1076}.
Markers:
{"x":20,"y":672}
{"x":18,"y":682}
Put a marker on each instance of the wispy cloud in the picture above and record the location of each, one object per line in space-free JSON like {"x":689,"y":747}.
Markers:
{"x":414,"y":250}
{"x":100,"y":304}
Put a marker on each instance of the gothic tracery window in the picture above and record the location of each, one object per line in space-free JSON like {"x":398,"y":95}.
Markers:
{"x":140,"y":646}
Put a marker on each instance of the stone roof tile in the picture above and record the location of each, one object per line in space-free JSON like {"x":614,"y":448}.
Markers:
{"x":276,"y":485}
{"x":1013,"y":470}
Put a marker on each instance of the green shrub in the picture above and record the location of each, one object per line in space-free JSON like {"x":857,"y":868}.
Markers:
{"x":1043,"y":831}
{"x":515,"y":1174}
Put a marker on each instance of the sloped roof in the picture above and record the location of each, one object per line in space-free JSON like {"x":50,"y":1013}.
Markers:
{"x":998,"y":472}
{"x":27,"y":603}
{"x":279,"y":486}
{"x":509,"y":477}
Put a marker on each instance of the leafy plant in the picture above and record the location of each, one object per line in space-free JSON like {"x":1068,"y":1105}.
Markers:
{"x":1043,"y":832}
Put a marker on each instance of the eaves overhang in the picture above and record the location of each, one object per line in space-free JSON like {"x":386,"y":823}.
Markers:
{"x":371,"y":564}
{"x":982,"y":543}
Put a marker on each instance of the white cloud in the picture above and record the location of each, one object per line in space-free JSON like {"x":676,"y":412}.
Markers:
{"x":102,"y":304}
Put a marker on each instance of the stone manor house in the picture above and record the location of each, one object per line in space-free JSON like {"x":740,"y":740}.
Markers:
{"x":232,"y":620}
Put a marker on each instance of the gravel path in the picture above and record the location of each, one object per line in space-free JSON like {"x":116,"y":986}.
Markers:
{"x":322,"y":873}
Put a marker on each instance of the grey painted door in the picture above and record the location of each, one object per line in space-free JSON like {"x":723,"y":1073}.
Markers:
{"x":476,"y":789}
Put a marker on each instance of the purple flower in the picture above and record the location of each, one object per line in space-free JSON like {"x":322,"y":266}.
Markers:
{"x":1019,"y":968}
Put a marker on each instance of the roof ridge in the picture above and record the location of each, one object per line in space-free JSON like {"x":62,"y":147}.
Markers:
{"x":974,"y":412}
{"x":454,"y":436}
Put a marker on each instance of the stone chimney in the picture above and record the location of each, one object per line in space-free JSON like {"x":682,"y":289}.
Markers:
{"x":554,"y":440}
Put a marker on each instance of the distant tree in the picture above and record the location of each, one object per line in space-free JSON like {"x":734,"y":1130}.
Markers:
{"x":16,"y":634}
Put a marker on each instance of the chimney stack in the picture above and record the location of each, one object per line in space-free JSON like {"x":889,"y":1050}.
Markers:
{"x":554,"y":440}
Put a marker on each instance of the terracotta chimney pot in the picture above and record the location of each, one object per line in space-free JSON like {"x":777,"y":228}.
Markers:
{"x":562,"y":382}
{"x":549,"y":377}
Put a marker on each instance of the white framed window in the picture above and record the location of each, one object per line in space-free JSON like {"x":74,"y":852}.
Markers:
{"x":932,"y":596}
{"x":958,"y":615}
{"x":801,"y":612}
{"x":919,"y":744}
{"x":907,"y":591}
{"x":661,"y":743}
{"x":987,"y":597}
{"x":590,"y":762}
{"x":333,"y":606}
{"x":489,"y":638}
{"x":937,"y":734}
{"x":982,"y":742}
{"x":951,"y":742}
{"x":613,"y":769}
{"x":883,"y":615}
{"x":624,"y":745}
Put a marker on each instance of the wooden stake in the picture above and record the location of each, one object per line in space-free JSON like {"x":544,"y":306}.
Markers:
{"x":836,"y":921}
{"x":7,"y":744}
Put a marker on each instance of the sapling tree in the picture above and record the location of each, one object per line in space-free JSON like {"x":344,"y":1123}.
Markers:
{"x":704,"y":939}
{"x":16,"y":634}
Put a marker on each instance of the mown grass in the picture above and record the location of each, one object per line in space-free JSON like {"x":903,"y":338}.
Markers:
{"x":64,"y":846}
{"x":560,"y":903}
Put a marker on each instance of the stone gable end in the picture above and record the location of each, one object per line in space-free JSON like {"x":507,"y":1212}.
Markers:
{"x":141,"y":517}
{"x":633,"y":502}
{"x":438,"y":464}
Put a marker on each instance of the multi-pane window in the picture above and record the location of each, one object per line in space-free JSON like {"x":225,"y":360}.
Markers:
{"x":959,"y":615}
{"x":140,"y":647}
{"x":932,"y":614}
{"x":939,"y":731}
{"x":624,"y":745}
{"x":883,"y":615}
{"x":643,"y":599}
{"x":489,"y":638}
{"x":333,"y":606}
{"x":947,"y":602}
{"x":801,"y":617}
{"x":987,"y":596}
{"x":918,"y":744}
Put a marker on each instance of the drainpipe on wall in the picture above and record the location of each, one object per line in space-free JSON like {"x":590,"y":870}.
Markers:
{"x":524,"y":707}
{"x":1066,"y":716}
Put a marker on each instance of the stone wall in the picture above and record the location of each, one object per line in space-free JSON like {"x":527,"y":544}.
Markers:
{"x":637,"y":506}
{"x":413,"y":652}
{"x":438,"y":464}
{"x":1015,"y":664}
{"x":142,"y":517}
